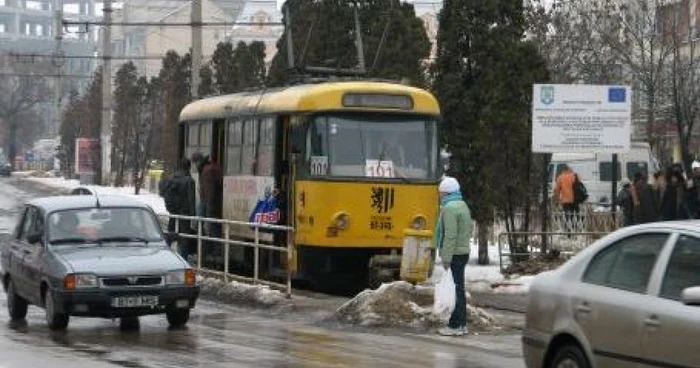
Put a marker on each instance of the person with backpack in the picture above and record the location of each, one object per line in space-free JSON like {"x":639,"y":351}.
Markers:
{"x":580,"y":195}
{"x":565,"y":196}
{"x":179,"y":195}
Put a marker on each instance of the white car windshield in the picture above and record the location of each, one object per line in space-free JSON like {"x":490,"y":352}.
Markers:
{"x":106,"y":225}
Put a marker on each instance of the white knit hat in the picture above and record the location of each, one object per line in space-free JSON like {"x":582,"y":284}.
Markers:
{"x":449,"y":185}
{"x":695,"y":165}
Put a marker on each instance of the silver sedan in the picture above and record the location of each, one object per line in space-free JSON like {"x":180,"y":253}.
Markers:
{"x":632,"y":299}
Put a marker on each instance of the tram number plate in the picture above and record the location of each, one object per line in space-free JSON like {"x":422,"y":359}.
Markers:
{"x":135,"y":301}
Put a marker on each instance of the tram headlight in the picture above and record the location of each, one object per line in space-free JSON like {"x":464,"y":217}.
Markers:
{"x":341,"y":221}
{"x":419,"y":223}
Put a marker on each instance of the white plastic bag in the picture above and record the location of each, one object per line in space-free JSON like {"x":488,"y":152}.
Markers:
{"x":445,"y":294}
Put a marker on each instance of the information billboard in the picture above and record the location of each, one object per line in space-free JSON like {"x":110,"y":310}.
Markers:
{"x":581,"y":118}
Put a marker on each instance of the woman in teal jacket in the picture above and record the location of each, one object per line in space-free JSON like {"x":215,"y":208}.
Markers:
{"x":452,"y":238}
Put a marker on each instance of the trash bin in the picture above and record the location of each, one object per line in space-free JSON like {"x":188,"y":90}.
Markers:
{"x":416,"y":257}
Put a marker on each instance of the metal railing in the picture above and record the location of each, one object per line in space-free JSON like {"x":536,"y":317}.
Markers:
{"x":568,"y":245}
{"x":227,"y":242}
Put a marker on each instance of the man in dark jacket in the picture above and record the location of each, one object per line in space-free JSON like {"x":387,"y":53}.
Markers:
{"x":180,"y":199}
{"x":212,"y":187}
{"x":647,"y":210}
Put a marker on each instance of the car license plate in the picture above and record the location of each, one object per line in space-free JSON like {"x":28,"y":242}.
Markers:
{"x":135,"y":301}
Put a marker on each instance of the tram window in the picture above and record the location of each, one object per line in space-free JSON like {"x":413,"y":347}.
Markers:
{"x":266,"y":150}
{"x":248,"y":153}
{"x":235,"y":133}
{"x":205,"y":137}
{"x":193,"y":135}
{"x":235,"y":143}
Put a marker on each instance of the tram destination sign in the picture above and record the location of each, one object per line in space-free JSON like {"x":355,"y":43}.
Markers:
{"x":581,"y":118}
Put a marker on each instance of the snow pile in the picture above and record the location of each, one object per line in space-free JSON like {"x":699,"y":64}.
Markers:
{"x":400,"y":304}
{"x":239,"y":293}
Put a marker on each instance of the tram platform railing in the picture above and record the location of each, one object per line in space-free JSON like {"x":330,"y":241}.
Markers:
{"x":225,"y":240}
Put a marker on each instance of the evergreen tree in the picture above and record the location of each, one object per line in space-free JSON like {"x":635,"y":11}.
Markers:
{"x":206,"y":85}
{"x":395,"y":41}
{"x":483,"y":77}
{"x":127,"y":95}
{"x":175,"y":76}
{"x":240,"y":68}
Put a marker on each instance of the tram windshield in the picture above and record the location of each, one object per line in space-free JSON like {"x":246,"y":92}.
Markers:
{"x":384,"y":146}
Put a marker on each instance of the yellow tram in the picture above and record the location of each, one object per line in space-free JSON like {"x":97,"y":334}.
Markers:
{"x":356,"y":162}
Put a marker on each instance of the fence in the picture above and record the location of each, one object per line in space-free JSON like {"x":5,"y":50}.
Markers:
{"x":524,"y":244}
{"x":227,"y":243}
{"x":585,"y":220}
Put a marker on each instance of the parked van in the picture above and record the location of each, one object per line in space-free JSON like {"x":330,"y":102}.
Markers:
{"x":595,"y":169}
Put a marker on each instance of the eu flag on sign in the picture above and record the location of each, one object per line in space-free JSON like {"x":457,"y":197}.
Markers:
{"x":616,"y":94}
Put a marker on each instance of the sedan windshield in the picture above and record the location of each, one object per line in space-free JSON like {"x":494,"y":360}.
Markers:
{"x":376,"y":145}
{"x":103,"y":225}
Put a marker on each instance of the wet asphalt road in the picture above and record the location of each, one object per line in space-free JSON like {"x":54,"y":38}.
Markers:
{"x":226,"y":336}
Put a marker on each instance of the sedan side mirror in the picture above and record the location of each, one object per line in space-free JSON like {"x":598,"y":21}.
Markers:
{"x":691,"y":296}
{"x":34,"y":238}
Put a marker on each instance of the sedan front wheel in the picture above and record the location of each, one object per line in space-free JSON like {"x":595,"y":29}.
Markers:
{"x":178,"y":317}
{"x":56,"y":321}
{"x":16,"y":305}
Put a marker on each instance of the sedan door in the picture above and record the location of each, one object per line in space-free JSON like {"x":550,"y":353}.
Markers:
{"x":671,"y":328}
{"x":33,"y":262}
{"x":613,"y":287}
{"x":19,"y":249}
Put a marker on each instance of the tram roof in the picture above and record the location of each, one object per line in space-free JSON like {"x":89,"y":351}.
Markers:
{"x":306,"y":98}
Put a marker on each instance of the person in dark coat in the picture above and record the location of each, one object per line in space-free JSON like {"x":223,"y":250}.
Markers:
{"x":625,"y":199}
{"x":646,"y":211}
{"x":179,"y":195}
{"x":212,"y":188}
{"x":673,"y":205}
{"x":200,"y":161}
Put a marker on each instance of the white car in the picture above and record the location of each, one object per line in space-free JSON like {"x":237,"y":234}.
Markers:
{"x":632,"y":299}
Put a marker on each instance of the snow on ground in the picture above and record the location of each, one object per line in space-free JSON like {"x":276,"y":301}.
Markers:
{"x":487,"y":278}
{"x":404,"y":305}
{"x":478,"y":277}
{"x":154,"y":200}
{"x":240,"y":293}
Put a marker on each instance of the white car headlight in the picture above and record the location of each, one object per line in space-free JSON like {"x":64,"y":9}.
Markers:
{"x":181,"y":277}
{"x":80,"y":281}
{"x":175,"y":277}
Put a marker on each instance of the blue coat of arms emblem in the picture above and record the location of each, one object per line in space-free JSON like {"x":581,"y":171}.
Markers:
{"x":547,"y":95}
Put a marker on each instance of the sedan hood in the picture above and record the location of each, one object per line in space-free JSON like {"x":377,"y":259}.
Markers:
{"x":120,"y":260}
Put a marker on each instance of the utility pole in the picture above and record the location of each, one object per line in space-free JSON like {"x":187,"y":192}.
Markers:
{"x":290,"y":41}
{"x":106,"y":127}
{"x":58,"y":61}
{"x":358,"y":40}
{"x":196,"y":46}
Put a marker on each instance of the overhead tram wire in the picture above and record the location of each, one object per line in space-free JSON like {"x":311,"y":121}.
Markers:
{"x":48,"y":56}
{"x":169,"y":24}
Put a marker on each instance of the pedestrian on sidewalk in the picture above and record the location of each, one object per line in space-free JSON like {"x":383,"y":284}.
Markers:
{"x":453,"y":233}
{"x":179,"y":195}
{"x":564,"y":195}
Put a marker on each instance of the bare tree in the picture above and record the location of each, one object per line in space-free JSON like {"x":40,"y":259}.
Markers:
{"x":684,"y":92}
{"x":636,"y":43}
{"x":22,"y":88}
